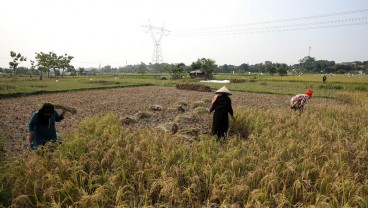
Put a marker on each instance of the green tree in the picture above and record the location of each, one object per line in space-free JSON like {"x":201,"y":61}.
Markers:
{"x":206,"y":65}
{"x":268,"y":67}
{"x":260,"y":67}
{"x":32,"y":68}
{"x":244,"y":67}
{"x":177,"y":71}
{"x":43,"y":63}
{"x":17,"y":58}
{"x":272,"y":70}
{"x":47,"y":61}
{"x":282,"y":71}
{"x":142,"y":68}
{"x":54,"y":61}
{"x":64,"y":63}
{"x":81,"y":70}
{"x":308,"y":63}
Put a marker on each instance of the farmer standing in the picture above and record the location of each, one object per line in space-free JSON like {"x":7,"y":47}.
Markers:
{"x":221,"y":104}
{"x":298,"y":101}
{"x":42,"y":125}
{"x":324,"y":79}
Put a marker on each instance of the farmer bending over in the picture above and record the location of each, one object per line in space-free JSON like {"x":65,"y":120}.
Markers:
{"x":42,"y":125}
{"x":298,"y":101}
{"x":221,"y":104}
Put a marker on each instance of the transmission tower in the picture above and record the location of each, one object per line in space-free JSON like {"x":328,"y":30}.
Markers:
{"x":157,"y":34}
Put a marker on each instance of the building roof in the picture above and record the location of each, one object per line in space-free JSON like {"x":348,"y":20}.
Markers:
{"x":196,"y":71}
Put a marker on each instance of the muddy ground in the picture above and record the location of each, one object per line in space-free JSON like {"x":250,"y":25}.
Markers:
{"x":167,"y":108}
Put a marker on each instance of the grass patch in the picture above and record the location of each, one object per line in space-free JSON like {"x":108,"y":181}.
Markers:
{"x":5,"y":191}
{"x":26,"y":86}
{"x":330,"y":86}
{"x":361,"y":88}
{"x":263,"y":83}
{"x":286,"y":85}
{"x":104,"y":82}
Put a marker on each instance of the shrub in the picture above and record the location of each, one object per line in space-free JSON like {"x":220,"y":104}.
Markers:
{"x":330,"y":86}
{"x":263,"y":83}
{"x":361,"y":88}
{"x":234,"y":80}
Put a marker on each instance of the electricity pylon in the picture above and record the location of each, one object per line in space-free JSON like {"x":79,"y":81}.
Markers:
{"x":157,"y":34}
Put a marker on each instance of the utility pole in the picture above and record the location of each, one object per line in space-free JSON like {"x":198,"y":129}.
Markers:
{"x":309,"y":51}
{"x":157,"y":34}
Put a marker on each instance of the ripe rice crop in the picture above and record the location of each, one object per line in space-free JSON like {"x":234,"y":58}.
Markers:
{"x":275,"y":158}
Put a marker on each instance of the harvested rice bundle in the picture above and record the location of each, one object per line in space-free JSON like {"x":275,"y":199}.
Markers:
{"x":195,"y":87}
{"x":66,"y":108}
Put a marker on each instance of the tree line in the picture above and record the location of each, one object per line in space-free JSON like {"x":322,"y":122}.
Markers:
{"x":43,"y":64}
{"x":59,"y":64}
{"x":306,"y":65}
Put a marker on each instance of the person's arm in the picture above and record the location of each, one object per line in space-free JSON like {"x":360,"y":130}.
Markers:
{"x":304,"y":100}
{"x":230,"y":109}
{"x":31,"y":126}
{"x":60,"y":117}
{"x":212,"y":107}
{"x":213,"y":102}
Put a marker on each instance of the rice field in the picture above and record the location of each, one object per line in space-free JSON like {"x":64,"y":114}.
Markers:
{"x":273,"y":157}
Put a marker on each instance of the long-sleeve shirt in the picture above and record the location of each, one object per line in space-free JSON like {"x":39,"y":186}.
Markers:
{"x":299,"y":100}
{"x":44,"y":132}
{"x":222,"y":107}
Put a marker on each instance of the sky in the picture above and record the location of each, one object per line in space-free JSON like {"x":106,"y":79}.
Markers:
{"x":116,"y":33}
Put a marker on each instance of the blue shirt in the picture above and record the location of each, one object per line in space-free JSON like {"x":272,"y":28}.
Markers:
{"x":43,"y":132}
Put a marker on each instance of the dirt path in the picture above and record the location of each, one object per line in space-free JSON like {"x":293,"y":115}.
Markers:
{"x":15,"y":112}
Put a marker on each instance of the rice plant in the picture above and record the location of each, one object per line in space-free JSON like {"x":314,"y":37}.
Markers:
{"x":272,"y":158}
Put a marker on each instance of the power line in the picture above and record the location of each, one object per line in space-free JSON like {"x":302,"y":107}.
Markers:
{"x":279,"y":28}
{"x":276,"y":21}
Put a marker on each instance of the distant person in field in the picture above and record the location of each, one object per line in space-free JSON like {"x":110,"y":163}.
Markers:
{"x":221,"y":104}
{"x":324,"y":79}
{"x":298,"y":101}
{"x":42,"y":125}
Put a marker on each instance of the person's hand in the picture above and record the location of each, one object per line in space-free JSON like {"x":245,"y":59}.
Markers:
{"x":63,"y":111}
{"x":31,"y":137}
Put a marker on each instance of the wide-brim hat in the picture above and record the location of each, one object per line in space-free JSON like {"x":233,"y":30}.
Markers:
{"x":223,"y":90}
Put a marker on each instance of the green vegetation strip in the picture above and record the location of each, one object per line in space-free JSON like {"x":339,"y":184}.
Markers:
{"x":288,"y":85}
{"x":20,"y":94}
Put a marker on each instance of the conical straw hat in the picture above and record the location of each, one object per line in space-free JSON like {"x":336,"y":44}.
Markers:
{"x":223,"y":90}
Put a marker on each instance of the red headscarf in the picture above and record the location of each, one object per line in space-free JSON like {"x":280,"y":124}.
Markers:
{"x":309,"y":93}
